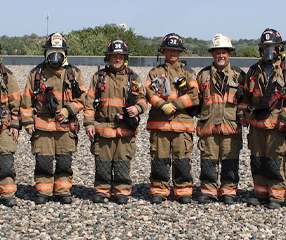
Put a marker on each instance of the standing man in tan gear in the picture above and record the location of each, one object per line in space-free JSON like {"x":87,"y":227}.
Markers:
{"x":53,"y":95}
{"x":10,"y":96}
{"x":171,"y":89}
{"x":218,"y":128}
{"x":264,"y":106}
{"x":114,"y":101}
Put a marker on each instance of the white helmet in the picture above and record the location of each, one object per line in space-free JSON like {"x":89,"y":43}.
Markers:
{"x":221,"y":41}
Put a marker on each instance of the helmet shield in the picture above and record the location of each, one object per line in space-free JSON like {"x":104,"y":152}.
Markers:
{"x":55,"y":59}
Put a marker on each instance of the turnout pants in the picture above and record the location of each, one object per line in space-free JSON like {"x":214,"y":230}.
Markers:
{"x":8,"y":147}
{"x":268,"y":149}
{"x":112,"y":164}
{"x":171,"y":151}
{"x":216,"y":148}
{"x":53,"y":152}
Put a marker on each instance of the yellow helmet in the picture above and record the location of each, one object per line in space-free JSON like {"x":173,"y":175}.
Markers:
{"x":221,"y":41}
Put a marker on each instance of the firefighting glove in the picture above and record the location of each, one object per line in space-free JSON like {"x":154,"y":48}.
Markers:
{"x":65,"y":112}
{"x":239,"y":94}
{"x":51,"y":100}
{"x":62,"y":115}
{"x":76,"y":92}
{"x":161,"y":85}
{"x":167,"y":108}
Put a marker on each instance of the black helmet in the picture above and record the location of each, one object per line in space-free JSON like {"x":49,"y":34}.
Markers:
{"x":270,"y":45}
{"x":56,"y":41}
{"x":172,"y":41}
{"x":270,"y":37}
{"x":117,"y":46}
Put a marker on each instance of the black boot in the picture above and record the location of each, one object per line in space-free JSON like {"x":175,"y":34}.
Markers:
{"x":97,"y":198}
{"x":9,"y":201}
{"x":121,"y":199}
{"x":65,"y":199}
{"x":206,"y":199}
{"x":275,"y":204}
{"x":184,"y":199}
{"x":156,"y":199}
{"x":228,"y":200}
{"x":254,"y":201}
{"x":42,"y":199}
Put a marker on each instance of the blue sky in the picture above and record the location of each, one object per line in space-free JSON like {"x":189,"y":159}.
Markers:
{"x":202,"y":19}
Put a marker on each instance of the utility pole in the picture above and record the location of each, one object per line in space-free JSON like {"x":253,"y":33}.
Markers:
{"x":47,"y":17}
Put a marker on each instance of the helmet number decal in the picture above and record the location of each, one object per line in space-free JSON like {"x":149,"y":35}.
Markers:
{"x":267,"y":36}
{"x":173,"y":41}
{"x":117,"y":46}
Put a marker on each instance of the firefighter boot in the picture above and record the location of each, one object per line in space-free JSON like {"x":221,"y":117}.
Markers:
{"x":41,"y":199}
{"x":228,"y":200}
{"x":121,"y":199}
{"x":206,"y":199}
{"x":253,"y":201}
{"x":65,"y":199}
{"x":9,"y":201}
{"x":97,"y":198}
{"x":156,"y":199}
{"x":274,"y":204}
{"x":185,"y":199}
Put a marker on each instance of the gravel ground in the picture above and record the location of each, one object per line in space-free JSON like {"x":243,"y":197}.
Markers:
{"x":138,"y":219}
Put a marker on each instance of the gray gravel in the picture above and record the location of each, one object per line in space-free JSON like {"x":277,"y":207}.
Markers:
{"x":138,"y":219}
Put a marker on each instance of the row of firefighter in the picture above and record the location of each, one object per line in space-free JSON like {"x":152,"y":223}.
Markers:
{"x":222,"y":97}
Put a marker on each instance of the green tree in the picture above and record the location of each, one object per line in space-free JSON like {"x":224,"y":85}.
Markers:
{"x":93,"y":41}
{"x":248,"y":52}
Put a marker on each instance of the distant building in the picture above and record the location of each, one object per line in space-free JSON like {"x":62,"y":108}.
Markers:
{"x":123,"y":25}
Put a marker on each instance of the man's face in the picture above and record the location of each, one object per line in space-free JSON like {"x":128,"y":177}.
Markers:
{"x":220,"y":57}
{"x":171,"y":56}
{"x":116,"y":60}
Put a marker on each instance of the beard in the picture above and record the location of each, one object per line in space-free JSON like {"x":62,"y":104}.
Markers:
{"x":221,"y":62}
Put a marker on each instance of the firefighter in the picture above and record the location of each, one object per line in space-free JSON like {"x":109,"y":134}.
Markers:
{"x":218,"y":126}
{"x":263,"y":108}
{"x":10,"y":96}
{"x":171,"y":89}
{"x":53,"y":95}
{"x":114,"y":101}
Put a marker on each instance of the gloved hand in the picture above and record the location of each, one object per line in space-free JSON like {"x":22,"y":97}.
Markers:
{"x":168,"y":108}
{"x":62,"y":115}
{"x":65,"y":112}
